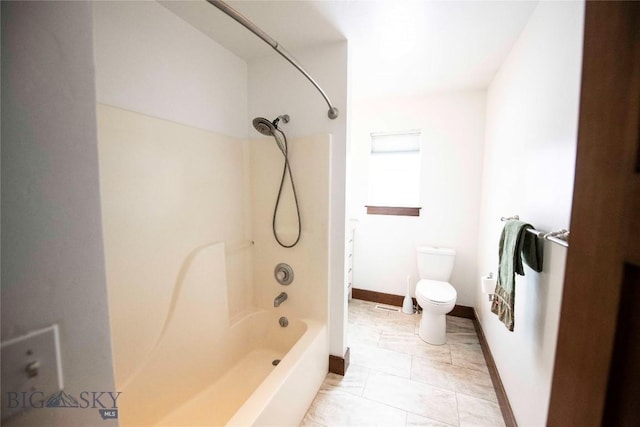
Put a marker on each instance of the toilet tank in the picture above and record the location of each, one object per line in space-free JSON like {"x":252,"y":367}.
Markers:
{"x":435,"y":263}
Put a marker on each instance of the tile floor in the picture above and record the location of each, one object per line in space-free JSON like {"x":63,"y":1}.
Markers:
{"x":396,"y":379}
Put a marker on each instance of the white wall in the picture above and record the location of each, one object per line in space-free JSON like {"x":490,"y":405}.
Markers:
{"x":276,"y":88}
{"x":150,"y":61}
{"x":52,"y":256}
{"x":452,"y":128}
{"x":532,"y":118}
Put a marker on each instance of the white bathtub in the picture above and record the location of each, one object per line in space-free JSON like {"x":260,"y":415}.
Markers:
{"x":251,"y":390}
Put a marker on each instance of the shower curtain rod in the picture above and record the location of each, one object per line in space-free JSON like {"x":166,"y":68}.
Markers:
{"x":333,"y":111}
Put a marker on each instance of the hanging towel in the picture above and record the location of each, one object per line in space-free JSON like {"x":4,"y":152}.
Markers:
{"x":515,"y":243}
{"x":532,"y":251}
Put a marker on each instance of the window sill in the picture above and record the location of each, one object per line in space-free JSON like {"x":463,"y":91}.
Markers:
{"x":392,"y":210}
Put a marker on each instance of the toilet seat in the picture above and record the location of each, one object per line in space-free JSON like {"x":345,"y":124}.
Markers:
{"x":436,"y":292}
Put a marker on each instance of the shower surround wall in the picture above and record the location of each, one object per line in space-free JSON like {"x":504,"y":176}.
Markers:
{"x":309,"y":159}
{"x":167,"y":189}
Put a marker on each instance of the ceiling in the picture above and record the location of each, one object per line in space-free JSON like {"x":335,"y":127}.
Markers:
{"x":396,"y":47}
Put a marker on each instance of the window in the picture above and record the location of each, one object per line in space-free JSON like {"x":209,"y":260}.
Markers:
{"x":394,"y":173}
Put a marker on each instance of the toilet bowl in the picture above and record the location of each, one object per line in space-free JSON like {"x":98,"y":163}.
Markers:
{"x":434,"y":293}
{"x":436,"y":299}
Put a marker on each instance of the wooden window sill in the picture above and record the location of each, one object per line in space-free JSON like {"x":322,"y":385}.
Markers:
{"x":392,"y":210}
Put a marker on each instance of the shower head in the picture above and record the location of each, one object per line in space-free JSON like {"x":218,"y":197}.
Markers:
{"x":266,"y":127}
{"x":263,"y":126}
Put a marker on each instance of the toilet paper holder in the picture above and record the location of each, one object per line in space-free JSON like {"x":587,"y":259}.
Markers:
{"x":488,"y":284}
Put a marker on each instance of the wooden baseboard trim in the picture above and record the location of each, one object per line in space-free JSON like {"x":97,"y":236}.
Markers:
{"x":463,"y":311}
{"x":339,"y":365}
{"x":391,"y":299}
{"x":503,"y":401}
{"x":379,"y":297}
{"x":392,"y":210}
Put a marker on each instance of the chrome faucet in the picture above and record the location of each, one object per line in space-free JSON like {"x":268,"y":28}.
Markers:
{"x":280,"y":299}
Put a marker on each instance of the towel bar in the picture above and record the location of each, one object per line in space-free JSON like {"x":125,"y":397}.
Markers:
{"x":560,"y":237}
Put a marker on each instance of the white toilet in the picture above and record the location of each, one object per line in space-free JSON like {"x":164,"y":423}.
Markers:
{"x":434,"y":293}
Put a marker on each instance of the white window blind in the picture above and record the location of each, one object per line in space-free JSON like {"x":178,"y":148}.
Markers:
{"x":394,"y":169}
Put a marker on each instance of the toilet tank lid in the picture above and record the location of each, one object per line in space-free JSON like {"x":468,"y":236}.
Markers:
{"x":435,"y":250}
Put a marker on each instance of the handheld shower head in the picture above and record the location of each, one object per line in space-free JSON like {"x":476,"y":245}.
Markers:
{"x":266,"y":127}
{"x":263,"y":126}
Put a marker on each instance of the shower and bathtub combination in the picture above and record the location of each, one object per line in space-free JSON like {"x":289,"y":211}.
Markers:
{"x":208,"y":326}
{"x":203,"y":331}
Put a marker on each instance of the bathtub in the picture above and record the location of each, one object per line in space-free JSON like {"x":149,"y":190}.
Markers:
{"x":207,"y":369}
{"x":251,"y":390}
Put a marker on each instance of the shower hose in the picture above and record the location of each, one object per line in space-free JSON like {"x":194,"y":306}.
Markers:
{"x":283,"y":146}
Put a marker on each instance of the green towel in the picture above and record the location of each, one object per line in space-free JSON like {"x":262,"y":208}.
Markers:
{"x":515,"y":244}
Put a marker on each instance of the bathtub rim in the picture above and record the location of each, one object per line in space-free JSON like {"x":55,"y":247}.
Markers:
{"x":256,"y":404}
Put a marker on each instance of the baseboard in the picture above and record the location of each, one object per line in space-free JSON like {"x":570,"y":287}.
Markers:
{"x":339,"y":365}
{"x":463,"y":311}
{"x":391,"y":299}
{"x":379,"y":297}
{"x":503,"y":401}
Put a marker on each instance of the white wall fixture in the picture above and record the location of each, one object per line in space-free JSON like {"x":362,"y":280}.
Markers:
{"x":31,"y":370}
{"x":488,"y":285}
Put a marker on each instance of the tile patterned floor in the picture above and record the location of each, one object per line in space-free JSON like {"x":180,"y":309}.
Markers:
{"x":396,"y":379}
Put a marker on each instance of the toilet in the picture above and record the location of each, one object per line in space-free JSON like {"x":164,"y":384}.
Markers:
{"x":434,"y":293}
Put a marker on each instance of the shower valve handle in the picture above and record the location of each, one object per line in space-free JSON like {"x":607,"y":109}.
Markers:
{"x":283,"y":274}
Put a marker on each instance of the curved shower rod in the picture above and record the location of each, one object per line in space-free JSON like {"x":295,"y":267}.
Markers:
{"x":333,"y":111}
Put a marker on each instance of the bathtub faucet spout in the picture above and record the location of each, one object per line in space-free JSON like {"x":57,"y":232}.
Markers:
{"x":280,"y":299}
